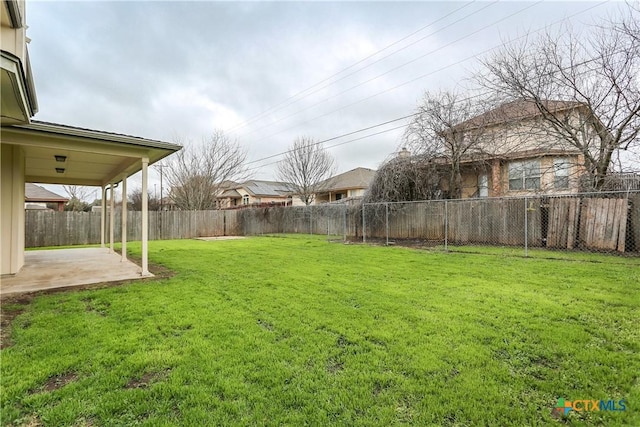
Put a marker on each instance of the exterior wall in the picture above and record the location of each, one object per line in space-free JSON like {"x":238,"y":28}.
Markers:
{"x":546,"y":177}
{"x":530,"y":134}
{"x":356,"y":192}
{"x":258,"y":199}
{"x":469,"y":185}
{"x":14,"y":40}
{"x":11,"y":209}
{"x":498,"y":178}
{"x":331,"y":196}
{"x":528,"y":139}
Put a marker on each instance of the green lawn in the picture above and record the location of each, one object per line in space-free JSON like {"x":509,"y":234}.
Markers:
{"x":295,"y":330}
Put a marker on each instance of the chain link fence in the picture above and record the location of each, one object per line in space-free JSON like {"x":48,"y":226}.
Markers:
{"x":337,"y":221}
{"x":587,"y":222}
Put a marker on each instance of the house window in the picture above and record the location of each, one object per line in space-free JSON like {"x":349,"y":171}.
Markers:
{"x":483,"y":185}
{"x":561,"y":173}
{"x":245,"y":199}
{"x":524,"y":175}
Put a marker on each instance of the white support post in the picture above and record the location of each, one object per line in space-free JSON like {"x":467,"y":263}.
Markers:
{"x":103,"y":215}
{"x":112,"y":217}
{"x":124,"y":219}
{"x":145,"y":218}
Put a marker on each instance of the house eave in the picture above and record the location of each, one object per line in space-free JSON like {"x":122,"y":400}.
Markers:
{"x":115,"y":156}
{"x":55,"y":128}
{"x":14,"y":13}
{"x":19,"y":101}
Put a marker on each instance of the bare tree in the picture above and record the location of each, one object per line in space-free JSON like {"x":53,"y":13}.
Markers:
{"x":306,"y":166}
{"x":197,"y":174}
{"x":596,"y":73}
{"x":135,"y":201}
{"x":447,"y":128}
{"x":78,"y":195}
{"x":630,"y":25}
{"x":405,"y":178}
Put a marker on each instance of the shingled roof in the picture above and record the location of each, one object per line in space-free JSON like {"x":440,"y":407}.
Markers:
{"x":35,"y":193}
{"x":267,"y":188}
{"x":355,"y":178}
{"x":514,"y":111}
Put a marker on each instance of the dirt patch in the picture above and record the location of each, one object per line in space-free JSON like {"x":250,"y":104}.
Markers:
{"x":59,"y":381}
{"x":409,"y":243}
{"x":10,"y":308}
{"x":147,"y":379}
{"x":56,"y":382}
{"x":334,"y":365}
{"x":266,"y":325}
{"x":98,"y":307}
{"x":30,"y":421}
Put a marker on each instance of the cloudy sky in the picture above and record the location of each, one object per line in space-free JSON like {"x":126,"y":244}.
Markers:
{"x":267,"y":72}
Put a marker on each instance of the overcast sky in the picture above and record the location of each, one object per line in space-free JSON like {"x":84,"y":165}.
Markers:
{"x":178,"y":70}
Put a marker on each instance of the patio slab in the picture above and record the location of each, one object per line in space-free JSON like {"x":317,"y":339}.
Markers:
{"x":62,"y":268}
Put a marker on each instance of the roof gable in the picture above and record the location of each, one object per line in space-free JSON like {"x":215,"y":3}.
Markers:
{"x":35,"y":193}
{"x":515,"y":111}
{"x":266,"y":188}
{"x":355,"y":178}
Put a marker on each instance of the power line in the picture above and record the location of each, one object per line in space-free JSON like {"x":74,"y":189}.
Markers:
{"x":329,"y":147}
{"x":290,"y":101}
{"x":334,"y":138}
{"x":468,"y":98}
{"x":475,"y":56}
{"x":396,"y":68}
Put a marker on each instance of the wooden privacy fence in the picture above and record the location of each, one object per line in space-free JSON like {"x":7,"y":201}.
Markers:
{"x":593,"y":222}
{"x":44,"y":228}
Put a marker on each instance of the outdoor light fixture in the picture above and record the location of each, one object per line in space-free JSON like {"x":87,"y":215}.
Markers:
{"x":60,"y":158}
{"x":60,"y":170}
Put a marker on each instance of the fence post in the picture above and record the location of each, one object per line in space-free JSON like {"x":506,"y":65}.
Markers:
{"x":446,"y":226}
{"x":526,"y":228}
{"x":386,"y":217}
{"x":344,"y":222}
{"x":328,"y":224}
{"x":364,"y":234}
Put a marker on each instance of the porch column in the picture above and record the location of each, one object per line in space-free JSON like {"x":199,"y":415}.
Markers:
{"x":145,"y":218}
{"x":103,"y":213}
{"x":124,"y":219}
{"x":112,"y":217}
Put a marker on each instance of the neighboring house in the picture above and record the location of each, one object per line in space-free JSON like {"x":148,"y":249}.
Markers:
{"x":49,"y":153}
{"x":37,"y":197}
{"x":345,"y":186}
{"x":255,"y":192}
{"x":519,"y":153}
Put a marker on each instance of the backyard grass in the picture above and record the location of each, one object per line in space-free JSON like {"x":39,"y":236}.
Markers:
{"x":299,"y":331}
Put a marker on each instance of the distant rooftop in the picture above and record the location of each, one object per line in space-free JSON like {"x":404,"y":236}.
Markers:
{"x":266,"y":188}
{"x":35,"y":193}
{"x":514,"y":111}
{"x":355,"y":178}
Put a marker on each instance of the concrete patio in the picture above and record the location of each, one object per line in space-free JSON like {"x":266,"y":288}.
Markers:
{"x":62,"y":268}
